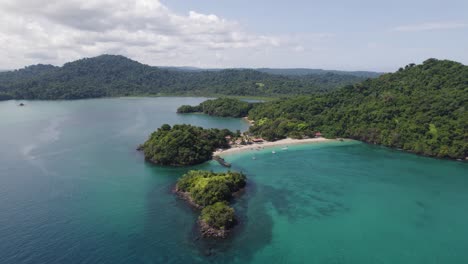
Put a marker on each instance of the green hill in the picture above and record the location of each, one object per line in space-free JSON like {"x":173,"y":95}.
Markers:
{"x":421,"y":108}
{"x":109,"y":75}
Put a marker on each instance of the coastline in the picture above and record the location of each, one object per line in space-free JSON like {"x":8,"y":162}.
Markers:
{"x":246,"y":119}
{"x":269,"y":144}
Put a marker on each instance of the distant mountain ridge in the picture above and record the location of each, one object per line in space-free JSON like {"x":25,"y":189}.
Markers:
{"x":306,"y":71}
{"x":283,"y":71}
{"x":115,"y":75}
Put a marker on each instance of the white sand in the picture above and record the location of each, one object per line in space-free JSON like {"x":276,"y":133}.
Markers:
{"x":267,"y":144}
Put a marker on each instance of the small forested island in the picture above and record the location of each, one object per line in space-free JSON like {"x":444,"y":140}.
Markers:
{"x":224,"y":107}
{"x":183,"y":145}
{"x":212,"y":192}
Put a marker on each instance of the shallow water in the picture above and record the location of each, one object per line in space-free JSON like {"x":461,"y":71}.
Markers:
{"x":74,"y":190}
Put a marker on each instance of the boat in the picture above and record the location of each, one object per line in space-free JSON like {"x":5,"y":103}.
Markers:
{"x":285,"y":148}
{"x":254,"y":158}
{"x":274,"y":152}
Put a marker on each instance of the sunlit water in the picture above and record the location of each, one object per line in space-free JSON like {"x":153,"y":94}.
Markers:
{"x":73,"y":189}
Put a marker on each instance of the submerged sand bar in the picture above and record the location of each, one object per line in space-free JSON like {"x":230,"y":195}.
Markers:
{"x":267,"y":144}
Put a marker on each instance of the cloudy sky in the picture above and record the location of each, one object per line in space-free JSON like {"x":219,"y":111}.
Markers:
{"x":332,"y":34}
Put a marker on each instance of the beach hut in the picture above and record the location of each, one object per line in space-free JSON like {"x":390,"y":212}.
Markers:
{"x":318,"y":134}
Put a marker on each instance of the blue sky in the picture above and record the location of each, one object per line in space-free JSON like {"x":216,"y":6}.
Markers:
{"x":372,"y":35}
{"x":344,"y":35}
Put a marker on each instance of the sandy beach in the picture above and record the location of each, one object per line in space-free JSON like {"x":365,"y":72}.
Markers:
{"x":268,"y":144}
{"x":251,"y":122}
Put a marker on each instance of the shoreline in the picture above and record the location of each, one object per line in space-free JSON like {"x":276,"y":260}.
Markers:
{"x":269,"y":144}
{"x":246,"y":119}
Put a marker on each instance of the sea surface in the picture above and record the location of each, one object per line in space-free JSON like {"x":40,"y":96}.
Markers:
{"x":73,"y":189}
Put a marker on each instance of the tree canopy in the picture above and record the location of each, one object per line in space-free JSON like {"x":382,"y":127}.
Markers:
{"x":225,"y":107}
{"x":219,"y":216}
{"x":207,"y":188}
{"x":183,"y":145}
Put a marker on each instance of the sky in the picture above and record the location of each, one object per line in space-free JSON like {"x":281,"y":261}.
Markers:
{"x":334,"y":34}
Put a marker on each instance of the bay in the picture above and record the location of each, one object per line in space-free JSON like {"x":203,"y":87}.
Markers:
{"x":73,"y":189}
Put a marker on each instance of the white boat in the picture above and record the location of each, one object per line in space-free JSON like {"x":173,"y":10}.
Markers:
{"x":285,"y":148}
{"x":274,"y":152}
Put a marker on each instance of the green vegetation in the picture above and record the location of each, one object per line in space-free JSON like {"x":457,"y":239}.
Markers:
{"x":212,"y":191}
{"x":109,"y":75}
{"x":422,"y":109}
{"x":302,"y":71}
{"x":207,"y":188}
{"x":5,"y":96}
{"x":225,"y":107}
{"x":183,"y":145}
{"x":185,"y":109}
{"x":279,"y":128}
{"x":219,"y":216}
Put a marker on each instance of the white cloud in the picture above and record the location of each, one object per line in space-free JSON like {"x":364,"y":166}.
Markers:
{"x":299,"y":48}
{"x":55,"y":31}
{"x":431,"y":26}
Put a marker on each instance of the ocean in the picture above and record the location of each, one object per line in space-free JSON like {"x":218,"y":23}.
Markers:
{"x":73,"y":189}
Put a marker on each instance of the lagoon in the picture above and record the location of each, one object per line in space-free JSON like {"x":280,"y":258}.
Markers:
{"x":73,"y":189}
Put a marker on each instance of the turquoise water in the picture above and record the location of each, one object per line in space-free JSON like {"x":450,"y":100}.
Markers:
{"x":74,"y":190}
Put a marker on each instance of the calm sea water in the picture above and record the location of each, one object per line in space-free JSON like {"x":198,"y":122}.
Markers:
{"x":74,"y":190}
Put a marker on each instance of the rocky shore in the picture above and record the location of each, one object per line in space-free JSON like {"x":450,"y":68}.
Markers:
{"x":186,"y":196}
{"x":208,"y":231}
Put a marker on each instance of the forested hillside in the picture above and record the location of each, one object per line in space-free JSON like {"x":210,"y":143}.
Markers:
{"x":421,"y":108}
{"x":286,"y":71}
{"x":225,"y":107}
{"x":110,"y":75}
